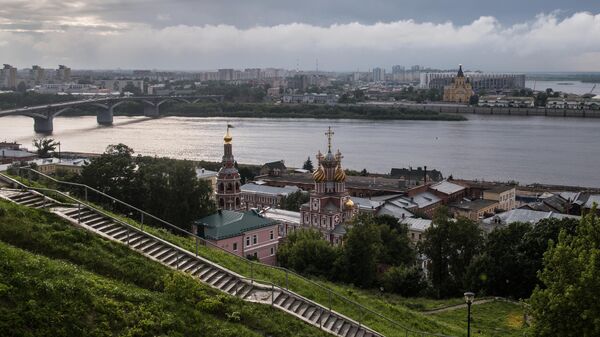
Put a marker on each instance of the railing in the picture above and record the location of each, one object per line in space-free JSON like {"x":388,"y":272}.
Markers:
{"x":255,"y":271}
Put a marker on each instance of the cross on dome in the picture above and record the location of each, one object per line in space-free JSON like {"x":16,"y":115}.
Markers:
{"x":329,"y":134}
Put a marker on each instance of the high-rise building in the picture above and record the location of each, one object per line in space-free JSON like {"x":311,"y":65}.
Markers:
{"x":225,"y":74}
{"x":8,"y":77}
{"x":37,"y":74}
{"x":397,"y":69}
{"x":229,"y":190}
{"x":330,"y":206}
{"x":378,"y":74}
{"x":63,"y":74}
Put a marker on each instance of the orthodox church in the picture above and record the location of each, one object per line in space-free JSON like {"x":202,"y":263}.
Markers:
{"x":460,"y":90}
{"x":330,"y":207}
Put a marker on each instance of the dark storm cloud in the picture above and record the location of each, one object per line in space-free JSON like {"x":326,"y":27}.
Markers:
{"x":343,"y":35}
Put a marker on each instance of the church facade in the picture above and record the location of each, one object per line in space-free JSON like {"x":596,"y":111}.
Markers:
{"x":460,"y":90}
{"x":330,"y":206}
{"x":229,"y":192}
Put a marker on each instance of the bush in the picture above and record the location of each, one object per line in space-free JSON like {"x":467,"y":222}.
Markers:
{"x":406,"y":281}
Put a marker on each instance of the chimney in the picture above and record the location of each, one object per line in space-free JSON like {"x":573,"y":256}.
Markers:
{"x":425,"y":175}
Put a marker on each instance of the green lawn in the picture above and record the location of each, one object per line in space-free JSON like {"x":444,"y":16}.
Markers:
{"x":58,"y":280}
{"x":496,"y":318}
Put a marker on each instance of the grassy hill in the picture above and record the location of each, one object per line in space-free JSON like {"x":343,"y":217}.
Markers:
{"x":45,"y":234}
{"x":57,"y":280}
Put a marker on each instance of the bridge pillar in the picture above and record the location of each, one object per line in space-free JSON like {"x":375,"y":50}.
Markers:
{"x":105,"y":117}
{"x":151,"y":110}
{"x":43,"y":125}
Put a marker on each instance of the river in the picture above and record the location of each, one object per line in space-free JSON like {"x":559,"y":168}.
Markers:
{"x":570,"y":87}
{"x":526,"y":149}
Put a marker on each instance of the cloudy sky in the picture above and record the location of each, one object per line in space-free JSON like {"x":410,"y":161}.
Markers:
{"x":507,"y":35}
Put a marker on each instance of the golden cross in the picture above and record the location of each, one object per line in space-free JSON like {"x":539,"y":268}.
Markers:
{"x":329,"y":134}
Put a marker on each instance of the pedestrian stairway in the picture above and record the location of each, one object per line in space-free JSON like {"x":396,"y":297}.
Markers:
{"x":103,"y":224}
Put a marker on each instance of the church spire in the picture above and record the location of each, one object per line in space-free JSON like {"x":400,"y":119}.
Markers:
{"x":329,"y":135}
{"x":460,"y":71}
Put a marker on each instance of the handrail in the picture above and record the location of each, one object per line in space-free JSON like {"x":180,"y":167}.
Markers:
{"x":331,"y":292}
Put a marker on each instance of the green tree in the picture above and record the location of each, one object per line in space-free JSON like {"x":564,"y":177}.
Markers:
{"x":450,"y":244}
{"x":306,"y":252}
{"x":406,"y":281}
{"x":44,"y":146}
{"x":308,"y":165}
{"x":112,"y":172}
{"x":358,"y":261}
{"x":567,"y":302}
{"x":293,"y":201}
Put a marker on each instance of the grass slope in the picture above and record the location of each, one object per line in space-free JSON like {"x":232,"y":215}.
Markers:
{"x":57,"y":280}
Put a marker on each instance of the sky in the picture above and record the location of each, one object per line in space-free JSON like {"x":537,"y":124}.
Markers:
{"x":343,"y":35}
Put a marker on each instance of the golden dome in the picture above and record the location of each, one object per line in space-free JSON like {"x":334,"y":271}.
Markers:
{"x":349,"y":203}
{"x":340,"y":175}
{"x":227,"y":138}
{"x":319,"y":175}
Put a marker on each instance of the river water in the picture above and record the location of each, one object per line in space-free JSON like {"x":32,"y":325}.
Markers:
{"x":526,"y":149}
{"x":570,"y":87}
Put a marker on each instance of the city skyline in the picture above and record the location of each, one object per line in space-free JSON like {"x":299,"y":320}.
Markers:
{"x":547,"y":36}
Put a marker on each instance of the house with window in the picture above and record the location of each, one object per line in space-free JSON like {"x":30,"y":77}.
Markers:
{"x":244,"y":233}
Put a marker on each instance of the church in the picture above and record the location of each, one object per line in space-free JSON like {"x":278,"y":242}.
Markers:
{"x":330,"y":206}
{"x":460,"y":90}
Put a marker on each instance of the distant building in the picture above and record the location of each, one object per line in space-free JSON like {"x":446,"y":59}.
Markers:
{"x":8,"y":77}
{"x":504,"y":195}
{"x":244,"y":233}
{"x":63,"y":74}
{"x":522,"y":215}
{"x":418,"y":176}
{"x":475,"y":210}
{"x":51,"y":166}
{"x":225,"y":74}
{"x":378,"y":74}
{"x":37,"y":74}
{"x":289,"y":221}
{"x":460,"y":90}
{"x":506,"y":102}
{"x":416,"y":228}
{"x":273,"y":169}
{"x":310,"y":98}
{"x":448,"y":191}
{"x":479,"y":81}
{"x":262,"y":196}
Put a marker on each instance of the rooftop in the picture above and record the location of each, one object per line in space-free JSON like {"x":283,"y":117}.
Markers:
{"x":203,"y":173}
{"x":270,"y":190}
{"x":282,"y":215}
{"x":473,"y":205}
{"x":356,"y":182}
{"x":225,"y":224}
{"x":524,"y":215}
{"x":447,"y":187}
{"x":500,"y":188}
{"x":417,"y":224}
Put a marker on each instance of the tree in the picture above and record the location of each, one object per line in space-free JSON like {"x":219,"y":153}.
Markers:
{"x":305,"y":251}
{"x":358,"y":261}
{"x":308,"y":165}
{"x":450,"y":244}
{"x":293,"y":201}
{"x":21,"y":87}
{"x":567,"y":302}
{"x":44,"y":146}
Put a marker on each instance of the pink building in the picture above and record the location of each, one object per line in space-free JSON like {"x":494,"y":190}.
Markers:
{"x":244,"y":233}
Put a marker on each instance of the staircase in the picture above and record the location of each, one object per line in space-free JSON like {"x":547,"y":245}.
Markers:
{"x":98,"y":222}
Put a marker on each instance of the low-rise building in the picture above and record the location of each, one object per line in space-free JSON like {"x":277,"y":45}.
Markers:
{"x":289,"y":221}
{"x":310,"y":98}
{"x":260,"y":196}
{"x":505,"y":196}
{"x":506,"y":101}
{"x":521,"y":215}
{"x":208,"y":176}
{"x":274,"y":168}
{"x":475,"y":210}
{"x":448,"y":191}
{"x":416,"y":228}
{"x":244,"y":233}
{"x":52,"y":166}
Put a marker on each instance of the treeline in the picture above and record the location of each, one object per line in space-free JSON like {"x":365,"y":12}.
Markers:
{"x":167,"y":188}
{"x":21,"y":99}
{"x":305,"y":111}
{"x":378,"y":254}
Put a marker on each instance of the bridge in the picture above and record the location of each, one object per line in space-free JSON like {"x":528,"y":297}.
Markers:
{"x":43,"y":115}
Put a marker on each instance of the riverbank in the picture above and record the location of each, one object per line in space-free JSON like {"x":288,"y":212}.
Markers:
{"x":267,"y":110}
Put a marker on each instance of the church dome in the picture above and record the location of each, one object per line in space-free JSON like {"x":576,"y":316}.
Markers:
{"x":349,"y":203}
{"x":340,"y":175}
{"x":227,"y":138}
{"x":319,"y":175}
{"x":329,"y":160}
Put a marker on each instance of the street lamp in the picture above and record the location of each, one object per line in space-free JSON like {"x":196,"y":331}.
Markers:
{"x":469,"y":296}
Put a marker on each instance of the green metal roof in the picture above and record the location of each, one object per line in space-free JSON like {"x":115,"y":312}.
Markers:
{"x":227,"y":224}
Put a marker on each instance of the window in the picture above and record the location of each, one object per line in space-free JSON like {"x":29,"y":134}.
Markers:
{"x":254,"y":239}
{"x":271,"y":235}
{"x":235,"y":246}
{"x":272,"y":251}
{"x":247,"y":241}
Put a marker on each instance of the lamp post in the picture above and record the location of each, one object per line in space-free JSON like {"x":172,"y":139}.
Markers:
{"x":469,"y":296}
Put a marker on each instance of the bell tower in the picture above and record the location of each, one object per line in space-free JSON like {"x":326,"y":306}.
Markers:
{"x":228,"y":192}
